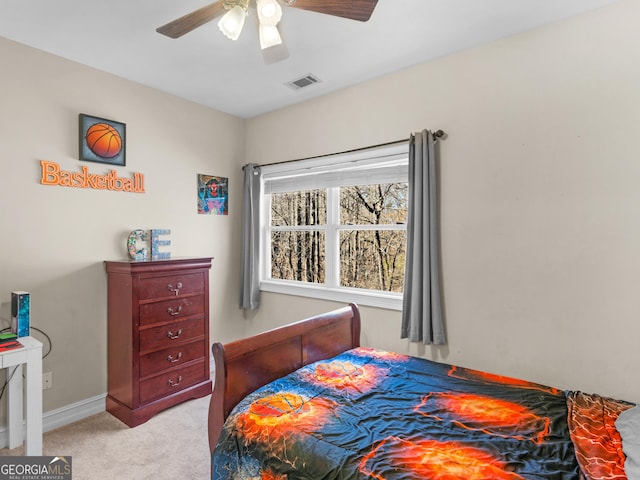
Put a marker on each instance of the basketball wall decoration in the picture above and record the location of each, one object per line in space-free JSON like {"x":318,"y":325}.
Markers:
{"x":102,"y":140}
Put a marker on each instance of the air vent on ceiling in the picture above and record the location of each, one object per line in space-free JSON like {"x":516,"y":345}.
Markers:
{"x":302,"y":82}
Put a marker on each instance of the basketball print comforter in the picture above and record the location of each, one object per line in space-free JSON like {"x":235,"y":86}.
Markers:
{"x":369,"y":414}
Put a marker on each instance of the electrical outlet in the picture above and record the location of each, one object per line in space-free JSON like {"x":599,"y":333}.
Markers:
{"x":47,"y":380}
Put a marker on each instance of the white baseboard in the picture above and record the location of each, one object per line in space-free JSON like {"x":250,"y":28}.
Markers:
{"x":65,"y":415}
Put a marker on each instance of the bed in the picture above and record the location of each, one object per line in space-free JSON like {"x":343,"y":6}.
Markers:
{"x":306,"y":401}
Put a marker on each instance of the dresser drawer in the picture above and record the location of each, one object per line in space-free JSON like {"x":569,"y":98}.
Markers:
{"x":166,"y":336}
{"x":171,"y":382}
{"x":171,"y":357}
{"x":171,"y":310}
{"x":171,"y":285}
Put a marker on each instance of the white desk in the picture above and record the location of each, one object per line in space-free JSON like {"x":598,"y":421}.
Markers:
{"x":31,"y":356}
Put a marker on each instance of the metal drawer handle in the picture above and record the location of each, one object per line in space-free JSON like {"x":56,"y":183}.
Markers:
{"x":174,"y":360}
{"x":173,"y":336}
{"x":174,"y":312}
{"x":175,"y":289}
{"x":175,"y":384}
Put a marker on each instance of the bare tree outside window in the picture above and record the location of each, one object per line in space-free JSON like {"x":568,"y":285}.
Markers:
{"x":373,"y":258}
{"x":370,"y":237}
{"x":298,"y":254}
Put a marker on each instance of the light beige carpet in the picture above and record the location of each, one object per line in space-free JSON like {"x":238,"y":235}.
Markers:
{"x":172,"y":445}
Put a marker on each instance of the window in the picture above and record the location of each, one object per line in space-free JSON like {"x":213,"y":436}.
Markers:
{"x":335,"y":227}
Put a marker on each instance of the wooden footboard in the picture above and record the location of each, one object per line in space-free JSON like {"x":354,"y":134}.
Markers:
{"x":246,"y":365}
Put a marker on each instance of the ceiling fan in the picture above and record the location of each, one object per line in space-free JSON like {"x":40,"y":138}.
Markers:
{"x":269,"y":15}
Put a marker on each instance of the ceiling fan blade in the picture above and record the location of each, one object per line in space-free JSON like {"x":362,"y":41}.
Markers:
{"x":359,"y":10}
{"x":192,"y":20}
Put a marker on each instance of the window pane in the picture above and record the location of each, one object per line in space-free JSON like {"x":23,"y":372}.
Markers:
{"x":298,"y":255}
{"x":299,"y":208}
{"x":373,"y":259}
{"x":374,"y":204}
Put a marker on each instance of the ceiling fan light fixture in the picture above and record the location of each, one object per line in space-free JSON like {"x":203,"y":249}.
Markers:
{"x":269,"y":12}
{"x":269,"y":36}
{"x":232,"y":22}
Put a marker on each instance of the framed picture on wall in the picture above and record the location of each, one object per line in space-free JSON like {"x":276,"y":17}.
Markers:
{"x":102,"y":140}
{"x":213,"y":195}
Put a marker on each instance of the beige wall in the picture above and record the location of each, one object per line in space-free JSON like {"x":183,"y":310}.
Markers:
{"x":53,"y":240}
{"x":540,"y":197}
{"x":539,"y":187}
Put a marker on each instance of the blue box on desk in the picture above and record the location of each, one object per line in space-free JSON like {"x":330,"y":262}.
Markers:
{"x":20,"y":313}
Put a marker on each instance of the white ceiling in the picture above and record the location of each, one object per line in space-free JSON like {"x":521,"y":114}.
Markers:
{"x":118,"y":36}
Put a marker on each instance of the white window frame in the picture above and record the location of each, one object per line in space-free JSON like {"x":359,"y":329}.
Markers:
{"x":387,"y":164}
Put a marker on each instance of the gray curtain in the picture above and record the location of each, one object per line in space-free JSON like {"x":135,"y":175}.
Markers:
{"x":422,"y":310}
{"x":250,"y":261}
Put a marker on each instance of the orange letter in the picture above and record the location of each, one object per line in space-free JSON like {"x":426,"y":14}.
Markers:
{"x":49,"y":173}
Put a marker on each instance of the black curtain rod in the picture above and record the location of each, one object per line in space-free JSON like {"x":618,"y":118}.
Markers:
{"x":437,"y":134}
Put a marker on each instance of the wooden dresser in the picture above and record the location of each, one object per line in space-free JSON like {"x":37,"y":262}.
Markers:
{"x":157,"y":335}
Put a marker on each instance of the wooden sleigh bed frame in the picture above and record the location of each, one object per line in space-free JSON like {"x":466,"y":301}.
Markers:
{"x":546,"y":432}
{"x":243,"y":366}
